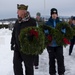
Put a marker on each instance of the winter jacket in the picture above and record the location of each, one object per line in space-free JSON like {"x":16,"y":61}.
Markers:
{"x":39,"y":22}
{"x":72,"y":25}
{"x":16,"y":31}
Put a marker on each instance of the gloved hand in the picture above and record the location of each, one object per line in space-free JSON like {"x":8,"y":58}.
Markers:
{"x":12,"y":47}
{"x":46,"y":32}
{"x":63,"y":30}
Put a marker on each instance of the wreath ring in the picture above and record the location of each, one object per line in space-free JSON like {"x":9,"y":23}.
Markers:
{"x":32,"y":40}
{"x":64,"y":37}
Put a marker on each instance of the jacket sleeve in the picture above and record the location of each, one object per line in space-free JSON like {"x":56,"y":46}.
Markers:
{"x":13,"y":40}
{"x":13,"y":36}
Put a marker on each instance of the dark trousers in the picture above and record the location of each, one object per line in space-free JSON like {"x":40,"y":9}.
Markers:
{"x":56,"y":53}
{"x":17,"y":63}
{"x":36,"y":60}
{"x":71,"y":45}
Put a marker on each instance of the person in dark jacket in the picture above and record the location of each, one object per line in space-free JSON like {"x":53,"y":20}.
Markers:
{"x":73,"y":39}
{"x":24,"y":20}
{"x":39,"y":19}
{"x":55,"y":51}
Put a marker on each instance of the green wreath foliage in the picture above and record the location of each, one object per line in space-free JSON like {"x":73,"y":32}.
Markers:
{"x":69,"y":30}
{"x":37,"y":43}
{"x":48,"y":38}
{"x":73,"y":30}
{"x":60,"y":36}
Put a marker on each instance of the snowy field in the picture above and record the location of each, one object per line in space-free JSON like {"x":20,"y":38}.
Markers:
{"x":6,"y":58}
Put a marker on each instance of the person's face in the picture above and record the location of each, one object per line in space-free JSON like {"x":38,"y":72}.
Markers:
{"x":37,"y":17}
{"x":21,"y":13}
{"x":73,"y":22}
{"x":54,"y":16}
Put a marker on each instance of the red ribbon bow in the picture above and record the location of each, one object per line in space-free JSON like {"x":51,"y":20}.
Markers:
{"x":33,"y":32}
{"x":49,"y":37}
{"x":66,"y":41}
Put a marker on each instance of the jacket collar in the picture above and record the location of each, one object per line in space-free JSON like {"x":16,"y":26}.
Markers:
{"x":51,"y":20}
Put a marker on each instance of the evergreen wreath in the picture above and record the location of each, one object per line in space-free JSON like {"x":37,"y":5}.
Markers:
{"x":32,"y":40}
{"x":49,"y":36}
{"x":63,"y":38}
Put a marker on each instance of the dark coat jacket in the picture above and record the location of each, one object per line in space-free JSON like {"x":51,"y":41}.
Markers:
{"x":73,"y":39}
{"x":16,"y":31}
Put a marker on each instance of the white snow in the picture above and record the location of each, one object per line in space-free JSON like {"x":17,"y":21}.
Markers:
{"x":6,"y":58}
{"x":6,"y":22}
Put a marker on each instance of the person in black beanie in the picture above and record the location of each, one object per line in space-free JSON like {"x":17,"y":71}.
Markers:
{"x":55,"y":52}
{"x":73,"y":39}
{"x":54,"y":11}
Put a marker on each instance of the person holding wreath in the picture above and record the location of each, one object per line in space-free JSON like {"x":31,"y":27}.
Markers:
{"x":55,"y":51}
{"x":23,"y":21}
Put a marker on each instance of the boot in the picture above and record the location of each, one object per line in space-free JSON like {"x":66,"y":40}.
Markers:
{"x":61,"y":74}
{"x":52,"y":74}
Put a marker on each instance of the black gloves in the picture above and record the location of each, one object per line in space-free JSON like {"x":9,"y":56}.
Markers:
{"x":12,"y":47}
{"x":46,"y":32}
{"x":63,"y":31}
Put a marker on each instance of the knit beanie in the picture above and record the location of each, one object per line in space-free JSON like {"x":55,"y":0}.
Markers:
{"x":54,"y":11}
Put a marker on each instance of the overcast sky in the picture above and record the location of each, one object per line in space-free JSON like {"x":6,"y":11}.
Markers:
{"x":8,"y":8}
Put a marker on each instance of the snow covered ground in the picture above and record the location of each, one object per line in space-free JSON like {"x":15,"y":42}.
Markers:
{"x":6,"y":58}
